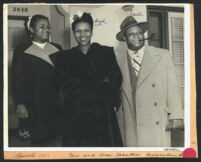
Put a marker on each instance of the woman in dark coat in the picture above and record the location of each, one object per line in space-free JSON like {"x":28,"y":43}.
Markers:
{"x":91,"y":81}
{"x":35,"y":84}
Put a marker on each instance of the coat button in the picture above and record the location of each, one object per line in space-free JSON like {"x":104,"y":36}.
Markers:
{"x":153,"y":85}
{"x":155,"y":103}
{"x":157,"y":122}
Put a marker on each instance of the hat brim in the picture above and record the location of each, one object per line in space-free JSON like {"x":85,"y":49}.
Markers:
{"x":120,"y":35}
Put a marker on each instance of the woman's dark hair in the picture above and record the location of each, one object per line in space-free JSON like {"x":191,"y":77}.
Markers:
{"x":33,"y":22}
{"x":86,"y":17}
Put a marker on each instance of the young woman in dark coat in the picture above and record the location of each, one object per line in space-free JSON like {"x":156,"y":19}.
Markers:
{"x":91,"y":81}
{"x":35,"y":84}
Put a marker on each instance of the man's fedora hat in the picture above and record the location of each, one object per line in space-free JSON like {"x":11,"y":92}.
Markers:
{"x":127,"y":23}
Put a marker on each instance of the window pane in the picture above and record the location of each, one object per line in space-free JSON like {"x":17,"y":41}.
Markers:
{"x":176,"y":43}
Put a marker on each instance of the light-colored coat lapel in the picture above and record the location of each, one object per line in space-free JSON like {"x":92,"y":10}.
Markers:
{"x":149,"y":61}
{"x":126,"y":85}
{"x":42,"y":53}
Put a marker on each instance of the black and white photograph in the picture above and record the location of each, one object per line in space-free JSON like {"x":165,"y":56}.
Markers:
{"x":96,"y":76}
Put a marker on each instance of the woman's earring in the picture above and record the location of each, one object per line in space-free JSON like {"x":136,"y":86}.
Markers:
{"x":31,"y":30}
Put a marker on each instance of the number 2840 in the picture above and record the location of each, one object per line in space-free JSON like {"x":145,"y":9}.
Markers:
{"x":18,"y":9}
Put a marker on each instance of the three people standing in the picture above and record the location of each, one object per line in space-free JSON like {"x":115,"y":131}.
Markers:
{"x":92,"y":88}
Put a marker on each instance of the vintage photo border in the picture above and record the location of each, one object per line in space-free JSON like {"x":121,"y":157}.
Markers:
{"x":114,"y":152}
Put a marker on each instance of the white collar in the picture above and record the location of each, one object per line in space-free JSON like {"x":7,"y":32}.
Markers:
{"x":139,"y":52}
{"x":41,"y":45}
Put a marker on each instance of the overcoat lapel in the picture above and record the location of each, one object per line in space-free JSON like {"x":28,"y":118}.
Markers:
{"x":126,"y":85}
{"x":149,"y":61}
{"x":42,"y":53}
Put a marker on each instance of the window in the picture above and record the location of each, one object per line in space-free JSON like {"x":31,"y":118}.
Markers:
{"x":176,"y":46}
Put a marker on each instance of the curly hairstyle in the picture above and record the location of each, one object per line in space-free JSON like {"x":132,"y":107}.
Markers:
{"x":86,"y":17}
{"x":33,"y":22}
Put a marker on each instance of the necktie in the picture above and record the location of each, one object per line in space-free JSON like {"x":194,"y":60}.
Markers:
{"x":137,"y":64}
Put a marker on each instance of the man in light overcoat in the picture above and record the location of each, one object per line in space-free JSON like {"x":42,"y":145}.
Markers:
{"x":151,"y":104}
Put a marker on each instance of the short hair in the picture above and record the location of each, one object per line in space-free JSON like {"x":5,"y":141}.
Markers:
{"x":35,"y":18}
{"x":86,"y":17}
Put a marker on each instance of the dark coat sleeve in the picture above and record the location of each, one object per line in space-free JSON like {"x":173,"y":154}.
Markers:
{"x":62,"y":70}
{"x":109,"y":85}
{"x":18,"y":77}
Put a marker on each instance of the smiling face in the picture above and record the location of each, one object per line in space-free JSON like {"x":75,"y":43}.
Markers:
{"x":40,"y":30}
{"x":83,"y":33}
{"x":134,"y":38}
